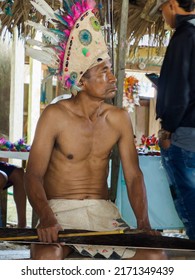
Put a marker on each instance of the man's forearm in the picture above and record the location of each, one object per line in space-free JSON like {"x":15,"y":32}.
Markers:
{"x":138,"y":201}
{"x":38,"y":200}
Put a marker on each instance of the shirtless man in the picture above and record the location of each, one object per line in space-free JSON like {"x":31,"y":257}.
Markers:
{"x":66,"y":176}
{"x":70,"y":155}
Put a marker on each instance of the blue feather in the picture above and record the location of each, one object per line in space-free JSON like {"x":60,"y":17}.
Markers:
{"x":52,"y":71}
{"x":58,"y":48}
{"x":62,"y":20}
{"x":57,"y":32}
{"x":67,"y":6}
{"x":76,"y":1}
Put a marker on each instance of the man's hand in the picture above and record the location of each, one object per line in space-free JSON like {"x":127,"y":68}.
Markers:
{"x":48,"y":227}
{"x":165,"y":144}
{"x":164,"y":138}
{"x":48,"y":234}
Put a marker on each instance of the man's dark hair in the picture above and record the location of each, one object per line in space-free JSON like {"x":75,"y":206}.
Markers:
{"x":86,"y":75}
{"x":187,"y":5}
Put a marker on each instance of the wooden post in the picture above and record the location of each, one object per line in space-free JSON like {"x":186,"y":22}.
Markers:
{"x":49,"y":90}
{"x":118,"y":101}
{"x":34,"y":98}
{"x":5,"y":76}
{"x":154,"y":125}
{"x":34,"y":106}
{"x":17,"y":89}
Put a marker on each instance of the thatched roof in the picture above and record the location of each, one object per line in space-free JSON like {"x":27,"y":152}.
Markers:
{"x":139,"y":23}
{"x":16,"y":12}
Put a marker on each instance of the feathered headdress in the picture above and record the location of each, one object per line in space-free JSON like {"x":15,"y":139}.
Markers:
{"x":74,"y":44}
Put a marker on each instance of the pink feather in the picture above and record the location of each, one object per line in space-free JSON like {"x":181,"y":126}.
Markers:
{"x":67,"y":32}
{"x":77,"y":11}
{"x":61,"y":55}
{"x":83,"y":4}
{"x":90,"y":4}
{"x":67,"y":82}
{"x":69,"y":20}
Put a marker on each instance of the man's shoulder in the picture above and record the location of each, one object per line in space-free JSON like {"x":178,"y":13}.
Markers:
{"x":55,"y":108}
{"x":116,"y":111}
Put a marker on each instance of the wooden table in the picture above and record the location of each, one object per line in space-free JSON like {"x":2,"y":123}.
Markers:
{"x":16,"y":155}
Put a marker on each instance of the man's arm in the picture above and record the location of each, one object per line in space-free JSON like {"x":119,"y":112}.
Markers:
{"x":132,"y":173}
{"x":37,"y":165}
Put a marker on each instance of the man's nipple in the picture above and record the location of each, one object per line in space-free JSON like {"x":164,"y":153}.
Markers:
{"x":70,"y":156}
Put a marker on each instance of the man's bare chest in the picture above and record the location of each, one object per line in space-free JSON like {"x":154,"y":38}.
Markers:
{"x":86,"y":141}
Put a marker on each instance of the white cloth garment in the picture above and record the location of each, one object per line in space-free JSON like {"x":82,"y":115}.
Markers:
{"x":92,"y":215}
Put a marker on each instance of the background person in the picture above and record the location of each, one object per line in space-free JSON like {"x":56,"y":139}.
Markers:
{"x":176,"y":108}
{"x":11,"y":175}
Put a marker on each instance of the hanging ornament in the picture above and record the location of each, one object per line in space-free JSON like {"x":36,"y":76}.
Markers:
{"x":131,"y":93}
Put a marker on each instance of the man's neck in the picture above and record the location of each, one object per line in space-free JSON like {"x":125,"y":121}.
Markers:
{"x":88,"y":107}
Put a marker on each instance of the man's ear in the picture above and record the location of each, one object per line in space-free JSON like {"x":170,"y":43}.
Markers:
{"x":173,"y":4}
{"x":80,"y":82}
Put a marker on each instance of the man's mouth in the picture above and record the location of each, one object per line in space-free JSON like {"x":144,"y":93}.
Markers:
{"x":113,"y":89}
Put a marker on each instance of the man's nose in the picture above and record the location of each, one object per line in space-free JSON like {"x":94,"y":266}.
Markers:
{"x":112,"y":77}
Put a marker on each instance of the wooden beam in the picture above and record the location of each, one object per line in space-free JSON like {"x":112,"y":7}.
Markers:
{"x":127,"y":238}
{"x":121,"y":52}
{"x":16,"y":92}
{"x":17,"y":88}
{"x":118,"y":101}
{"x":34,"y":98}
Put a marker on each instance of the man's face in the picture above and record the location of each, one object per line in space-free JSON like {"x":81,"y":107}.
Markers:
{"x":100,"y":81}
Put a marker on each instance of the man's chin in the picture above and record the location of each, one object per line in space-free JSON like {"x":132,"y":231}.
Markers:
{"x":110,"y":94}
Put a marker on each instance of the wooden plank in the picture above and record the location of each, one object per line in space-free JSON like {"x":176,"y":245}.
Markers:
{"x":134,"y":240}
{"x":121,"y":52}
{"x":118,"y":100}
{"x":16,"y":155}
{"x":34,"y":95}
{"x":130,"y":238}
{"x":17,"y":89}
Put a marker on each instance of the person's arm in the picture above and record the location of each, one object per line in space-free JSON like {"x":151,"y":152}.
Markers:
{"x":3,"y":179}
{"x":37,"y":165}
{"x":132,"y":173}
